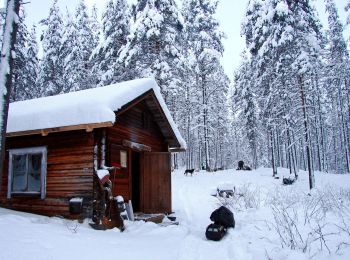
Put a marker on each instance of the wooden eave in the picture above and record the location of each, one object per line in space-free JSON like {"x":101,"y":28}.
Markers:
{"x":46,"y":131}
{"x":151,"y":102}
{"x":159,"y":116}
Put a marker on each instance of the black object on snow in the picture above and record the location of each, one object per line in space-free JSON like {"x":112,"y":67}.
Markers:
{"x":240,"y":165}
{"x":247,"y":168}
{"x":223,"y":216}
{"x":288,"y":181}
{"x":215,"y":232}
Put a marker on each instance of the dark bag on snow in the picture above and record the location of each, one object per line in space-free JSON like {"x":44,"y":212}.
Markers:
{"x":215,"y":232}
{"x":288,"y":181}
{"x":223,"y":216}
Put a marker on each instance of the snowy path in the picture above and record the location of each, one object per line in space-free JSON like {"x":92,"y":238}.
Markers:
{"x":27,"y":236}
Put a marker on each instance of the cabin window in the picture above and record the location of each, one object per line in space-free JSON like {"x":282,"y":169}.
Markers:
{"x":27,"y":172}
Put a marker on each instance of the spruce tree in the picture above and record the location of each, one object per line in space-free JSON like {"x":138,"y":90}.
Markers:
{"x":205,"y":51}
{"x":246,"y":109}
{"x":26,"y":84}
{"x":51,"y":77}
{"x":153,"y":47}
{"x":115,"y":28}
{"x":2,"y":22}
{"x":338,"y":86}
{"x":19,"y":69}
{"x":284,"y":40}
{"x":78,"y":42}
{"x":31,"y":90}
{"x":69,"y":48}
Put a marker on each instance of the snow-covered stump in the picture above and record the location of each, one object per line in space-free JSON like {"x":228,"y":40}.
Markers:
{"x":6,"y":68}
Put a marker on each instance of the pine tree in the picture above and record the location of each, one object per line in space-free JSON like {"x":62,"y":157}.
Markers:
{"x":205,"y":41}
{"x":338,"y":85}
{"x":68,"y":54}
{"x":347,"y":9}
{"x":95,"y":24}
{"x":2,"y":22}
{"x":78,"y":42}
{"x":246,"y":108}
{"x":153,"y":46}
{"x":51,"y":77}
{"x":32,"y":90}
{"x":27,"y":85}
{"x":19,"y":73}
{"x":284,"y":40}
{"x":115,"y":26}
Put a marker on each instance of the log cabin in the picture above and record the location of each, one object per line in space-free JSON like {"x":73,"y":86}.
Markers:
{"x":55,"y":147}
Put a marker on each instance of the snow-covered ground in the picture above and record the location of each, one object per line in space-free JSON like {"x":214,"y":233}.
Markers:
{"x":27,"y":236}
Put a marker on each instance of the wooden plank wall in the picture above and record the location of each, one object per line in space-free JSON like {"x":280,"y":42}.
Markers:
{"x":137,"y":125}
{"x":69,"y":173}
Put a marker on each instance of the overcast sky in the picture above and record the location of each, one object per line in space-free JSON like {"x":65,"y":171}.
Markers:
{"x":230,"y":14}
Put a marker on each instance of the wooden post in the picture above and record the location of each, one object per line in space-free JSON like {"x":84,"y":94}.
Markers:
{"x":6,"y":69}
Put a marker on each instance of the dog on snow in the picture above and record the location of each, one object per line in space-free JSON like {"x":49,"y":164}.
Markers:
{"x":189,"y":171}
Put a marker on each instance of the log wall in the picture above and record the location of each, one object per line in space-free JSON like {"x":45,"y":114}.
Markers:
{"x":69,"y":173}
{"x":136,"y":125}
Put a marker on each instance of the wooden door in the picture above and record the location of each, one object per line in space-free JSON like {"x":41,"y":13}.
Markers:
{"x":156,"y":183}
{"x":119,"y":154}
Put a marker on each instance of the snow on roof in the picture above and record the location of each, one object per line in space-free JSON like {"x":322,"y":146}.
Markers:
{"x":89,"y":106}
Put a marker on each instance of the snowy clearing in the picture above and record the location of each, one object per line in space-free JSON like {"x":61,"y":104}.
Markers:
{"x":28,"y":236}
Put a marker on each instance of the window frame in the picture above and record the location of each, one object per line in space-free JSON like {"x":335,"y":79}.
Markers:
{"x":43,"y":173}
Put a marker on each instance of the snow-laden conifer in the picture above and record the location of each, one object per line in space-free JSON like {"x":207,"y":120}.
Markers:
{"x":25,"y":85}
{"x":115,"y":29}
{"x":153,"y":46}
{"x":204,"y":39}
{"x":51,"y":78}
{"x":79,"y":40}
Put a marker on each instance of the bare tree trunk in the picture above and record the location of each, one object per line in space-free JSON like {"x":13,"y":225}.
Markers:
{"x":277,"y":139}
{"x":205,"y":124}
{"x":322,"y":137}
{"x":273,"y":162}
{"x":295,"y":155}
{"x":344,"y":132}
{"x":335,"y":166}
{"x":307,"y":138}
{"x":6,"y":69}
{"x":317,"y":123}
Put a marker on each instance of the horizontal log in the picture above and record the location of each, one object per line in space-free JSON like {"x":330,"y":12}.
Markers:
{"x":69,"y":160}
{"x":70,"y":173}
{"x":84,"y":166}
{"x":76,"y":187}
{"x":71,"y":150}
{"x":68,"y":194}
{"x":63,"y":181}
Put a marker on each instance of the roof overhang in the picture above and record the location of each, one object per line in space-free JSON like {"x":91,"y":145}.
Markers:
{"x":160,"y":118}
{"x":46,"y":131}
{"x":92,"y":108}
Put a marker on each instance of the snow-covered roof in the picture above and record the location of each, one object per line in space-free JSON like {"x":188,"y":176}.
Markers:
{"x":91,"y":106}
